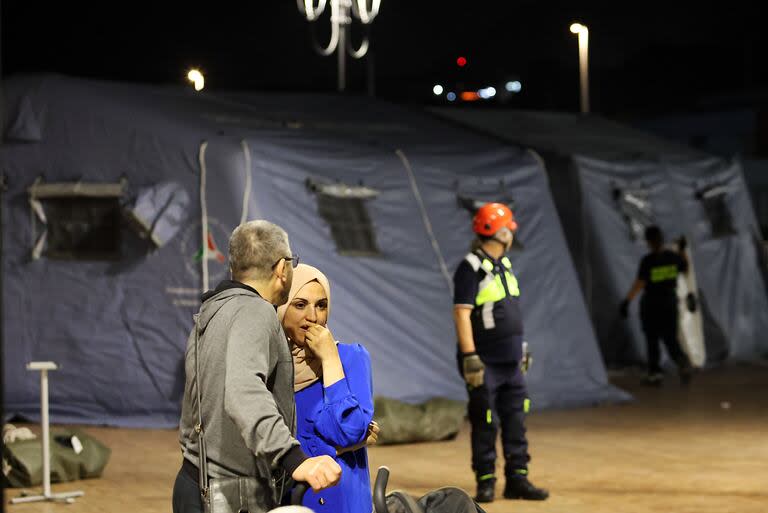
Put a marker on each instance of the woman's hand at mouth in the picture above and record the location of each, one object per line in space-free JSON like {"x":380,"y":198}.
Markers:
{"x":320,"y":341}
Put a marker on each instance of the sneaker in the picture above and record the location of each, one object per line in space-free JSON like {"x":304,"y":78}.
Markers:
{"x":521,"y":488}
{"x":486,"y":490}
{"x":654,"y":379}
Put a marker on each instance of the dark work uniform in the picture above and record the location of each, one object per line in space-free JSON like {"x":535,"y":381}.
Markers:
{"x":491,"y":289}
{"x":658,"y":306}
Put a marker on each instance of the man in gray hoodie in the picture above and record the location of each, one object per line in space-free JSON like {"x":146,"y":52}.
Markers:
{"x":246,"y":378}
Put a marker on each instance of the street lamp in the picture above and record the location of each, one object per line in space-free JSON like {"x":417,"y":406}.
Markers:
{"x":197,"y":79}
{"x":342,"y":12}
{"x":583,"y":32}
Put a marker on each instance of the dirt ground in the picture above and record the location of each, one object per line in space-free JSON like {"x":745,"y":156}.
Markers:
{"x":685,"y":450}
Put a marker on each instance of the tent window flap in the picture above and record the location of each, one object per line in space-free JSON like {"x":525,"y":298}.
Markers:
{"x":343,"y":207}
{"x":80,"y":221}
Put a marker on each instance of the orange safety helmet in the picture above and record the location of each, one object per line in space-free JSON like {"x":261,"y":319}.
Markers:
{"x":492,"y":217}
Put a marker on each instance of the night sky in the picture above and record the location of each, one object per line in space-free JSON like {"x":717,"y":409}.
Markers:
{"x":646,"y":58}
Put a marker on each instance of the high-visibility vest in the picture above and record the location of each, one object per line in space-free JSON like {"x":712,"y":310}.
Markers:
{"x":663,"y":273}
{"x":491,"y":288}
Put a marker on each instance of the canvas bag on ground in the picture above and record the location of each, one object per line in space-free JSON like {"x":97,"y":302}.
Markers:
{"x":83,"y":459}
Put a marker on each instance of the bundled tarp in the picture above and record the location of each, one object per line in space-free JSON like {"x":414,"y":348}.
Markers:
{"x":74,"y":455}
{"x":610,"y":182}
{"x":372,"y":194}
{"x":428,"y":421}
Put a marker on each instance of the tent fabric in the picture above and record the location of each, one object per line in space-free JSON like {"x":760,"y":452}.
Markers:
{"x":589,"y":158}
{"x":26,"y":126}
{"x":118,"y":329}
{"x":567,"y":134}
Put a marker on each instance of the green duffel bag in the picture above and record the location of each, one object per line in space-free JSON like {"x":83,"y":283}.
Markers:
{"x":431,"y":421}
{"x":74,"y":455}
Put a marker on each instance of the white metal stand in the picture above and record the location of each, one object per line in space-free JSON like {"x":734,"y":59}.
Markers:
{"x":68,"y":497}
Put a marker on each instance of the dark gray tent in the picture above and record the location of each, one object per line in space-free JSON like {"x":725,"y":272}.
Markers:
{"x":368,"y":192}
{"x":609,"y":182}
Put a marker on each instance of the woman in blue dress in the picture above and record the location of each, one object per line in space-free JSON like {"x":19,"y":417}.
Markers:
{"x":334,"y":394}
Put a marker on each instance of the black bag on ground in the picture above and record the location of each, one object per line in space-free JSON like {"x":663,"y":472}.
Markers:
{"x":443,"y":500}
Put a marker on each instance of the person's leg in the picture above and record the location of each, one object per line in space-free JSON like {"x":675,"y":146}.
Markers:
{"x":512,"y":403}
{"x":483,"y":436}
{"x":669,"y":334}
{"x":186,"y":495}
{"x":650,"y":322}
{"x":484,"y":428}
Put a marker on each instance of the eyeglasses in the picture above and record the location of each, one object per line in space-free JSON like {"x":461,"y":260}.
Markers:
{"x":293,"y":259}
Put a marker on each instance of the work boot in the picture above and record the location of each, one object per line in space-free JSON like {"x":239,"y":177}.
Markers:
{"x":486,"y":490}
{"x":653,"y":379}
{"x":518,"y":487}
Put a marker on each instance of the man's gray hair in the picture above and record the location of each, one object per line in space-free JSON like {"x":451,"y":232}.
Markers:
{"x":254,"y":248}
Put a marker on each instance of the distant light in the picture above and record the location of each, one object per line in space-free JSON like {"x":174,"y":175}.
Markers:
{"x":487,"y":93}
{"x":513,"y":86}
{"x":196,"y":78}
{"x":470,"y":96}
{"x":438,"y":90}
{"x":451,"y":96}
{"x":461,"y":62}
{"x":578,"y":28}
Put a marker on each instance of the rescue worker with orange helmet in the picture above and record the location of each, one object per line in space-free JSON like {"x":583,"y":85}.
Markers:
{"x":491,"y":356}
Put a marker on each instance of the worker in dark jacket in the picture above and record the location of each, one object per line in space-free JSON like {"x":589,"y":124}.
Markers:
{"x":491,"y":356}
{"x":657,"y":279}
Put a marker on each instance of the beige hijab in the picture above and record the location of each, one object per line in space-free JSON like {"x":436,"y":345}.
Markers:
{"x":307,"y":368}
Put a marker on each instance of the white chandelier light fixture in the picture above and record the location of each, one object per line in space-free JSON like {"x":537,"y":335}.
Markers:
{"x":342,"y":14}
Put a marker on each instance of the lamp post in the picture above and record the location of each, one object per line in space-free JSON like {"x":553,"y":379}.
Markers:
{"x":342,"y":14}
{"x":583,"y":33}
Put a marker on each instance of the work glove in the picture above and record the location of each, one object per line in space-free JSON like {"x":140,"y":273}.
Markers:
{"x":527,"y":360}
{"x":472,"y":369}
{"x":624,"y":309}
{"x":691,"y":303}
